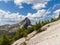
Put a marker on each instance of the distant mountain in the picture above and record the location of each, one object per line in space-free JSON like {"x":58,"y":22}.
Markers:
{"x":25,"y":23}
{"x":11,"y":29}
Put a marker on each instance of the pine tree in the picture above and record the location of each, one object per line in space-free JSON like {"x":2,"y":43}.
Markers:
{"x":5,"y":40}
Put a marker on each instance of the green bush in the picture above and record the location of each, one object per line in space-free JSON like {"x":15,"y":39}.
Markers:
{"x":5,"y":40}
{"x":8,"y":40}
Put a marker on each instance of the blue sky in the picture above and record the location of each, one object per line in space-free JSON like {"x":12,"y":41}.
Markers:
{"x":12,"y":7}
{"x":13,"y":11}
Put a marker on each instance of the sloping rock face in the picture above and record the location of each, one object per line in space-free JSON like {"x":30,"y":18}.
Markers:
{"x":25,"y":23}
{"x":49,"y":37}
{"x":11,"y":29}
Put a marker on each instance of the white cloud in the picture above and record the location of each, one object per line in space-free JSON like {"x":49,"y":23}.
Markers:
{"x":5,"y":0}
{"x":7,"y":17}
{"x":39,"y":5}
{"x":36,"y":15}
{"x":21,"y":6}
{"x":36,"y":4}
{"x":56,"y":5}
{"x":56,"y":13}
{"x":40,"y":15}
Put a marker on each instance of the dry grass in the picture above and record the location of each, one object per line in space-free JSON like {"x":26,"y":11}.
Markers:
{"x":23,"y":43}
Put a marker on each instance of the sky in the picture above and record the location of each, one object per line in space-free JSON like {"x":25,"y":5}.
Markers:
{"x":14,"y":11}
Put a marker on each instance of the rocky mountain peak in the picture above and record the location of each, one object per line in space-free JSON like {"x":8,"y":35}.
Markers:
{"x":25,"y":23}
{"x":11,"y":29}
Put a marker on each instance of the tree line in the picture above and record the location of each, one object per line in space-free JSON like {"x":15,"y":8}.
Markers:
{"x":8,"y":40}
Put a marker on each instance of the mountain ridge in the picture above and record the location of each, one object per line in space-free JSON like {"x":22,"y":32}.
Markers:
{"x":14,"y":27}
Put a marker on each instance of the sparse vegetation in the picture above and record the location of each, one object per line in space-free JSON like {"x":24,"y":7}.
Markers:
{"x":7,"y":40}
{"x":23,"y":43}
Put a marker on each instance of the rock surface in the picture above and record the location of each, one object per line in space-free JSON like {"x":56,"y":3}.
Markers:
{"x":25,"y":23}
{"x":49,"y":37}
{"x":11,"y":29}
{"x":18,"y":42}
